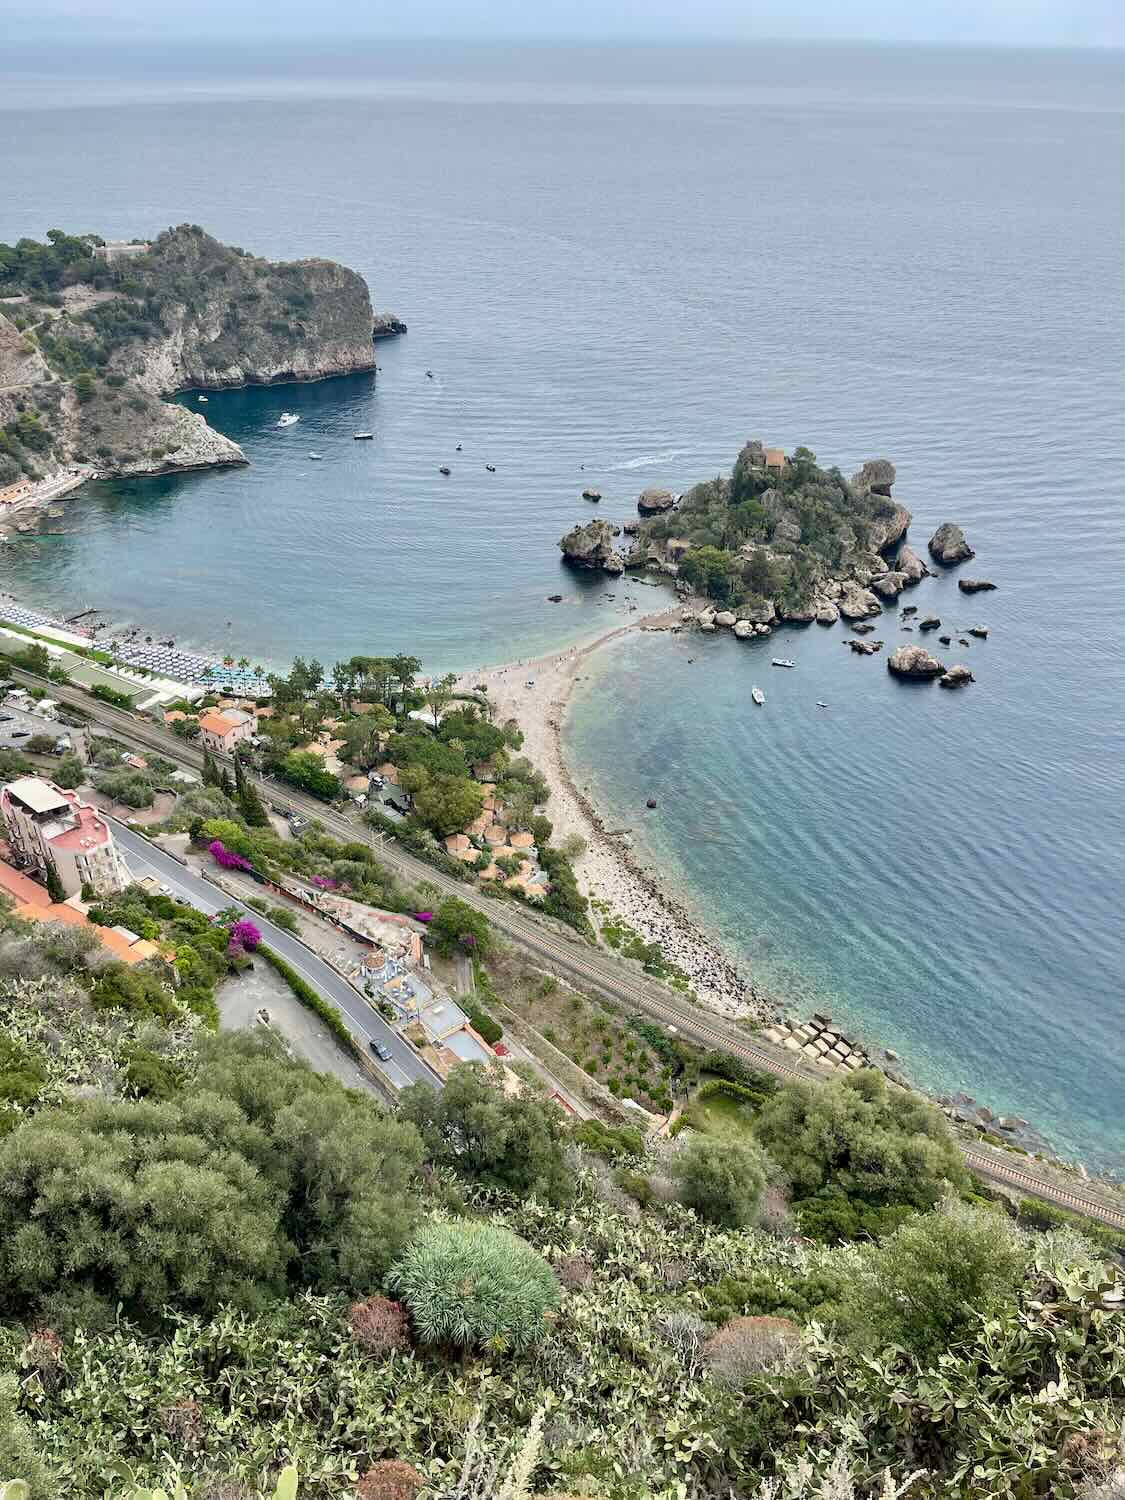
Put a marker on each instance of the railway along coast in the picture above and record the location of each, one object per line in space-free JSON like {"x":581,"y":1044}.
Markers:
{"x":574,"y":957}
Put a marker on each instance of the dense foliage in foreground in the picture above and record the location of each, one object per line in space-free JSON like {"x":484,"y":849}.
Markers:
{"x":224,"y":1263}
{"x":1014,"y":1407}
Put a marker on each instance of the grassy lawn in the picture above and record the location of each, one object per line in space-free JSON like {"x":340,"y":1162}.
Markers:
{"x":722,"y":1117}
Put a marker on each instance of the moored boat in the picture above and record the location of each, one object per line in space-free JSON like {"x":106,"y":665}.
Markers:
{"x":783,"y":661}
{"x":287,"y":419}
{"x":363,"y":437}
{"x":758,"y":696}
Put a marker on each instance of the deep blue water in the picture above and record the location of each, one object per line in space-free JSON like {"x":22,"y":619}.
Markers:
{"x":633,"y":260}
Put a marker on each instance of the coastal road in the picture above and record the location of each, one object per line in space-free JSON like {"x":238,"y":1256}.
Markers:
{"x":572,"y":956}
{"x":405,"y":1066}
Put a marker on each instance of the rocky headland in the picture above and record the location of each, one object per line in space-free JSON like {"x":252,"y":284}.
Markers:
{"x":92,"y":337}
{"x":784,"y":541}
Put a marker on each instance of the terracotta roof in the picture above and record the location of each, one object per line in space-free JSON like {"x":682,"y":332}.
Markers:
{"x":26,"y":892}
{"x":174,"y":715}
{"x":522,"y":841}
{"x":33,"y":904}
{"x":495,"y":834}
{"x":775,"y":457}
{"x":216,"y":723}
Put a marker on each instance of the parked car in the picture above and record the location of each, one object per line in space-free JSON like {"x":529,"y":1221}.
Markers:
{"x":381,"y":1050}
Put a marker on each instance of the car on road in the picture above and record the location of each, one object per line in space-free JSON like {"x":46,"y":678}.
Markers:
{"x":380,"y":1049}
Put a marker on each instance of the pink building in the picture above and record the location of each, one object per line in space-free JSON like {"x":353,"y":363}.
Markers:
{"x":48,"y":825}
{"x":223,"y":731}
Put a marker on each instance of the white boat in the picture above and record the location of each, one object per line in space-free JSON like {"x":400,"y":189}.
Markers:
{"x":819,"y":704}
{"x":783,"y":661}
{"x":287,"y":419}
{"x":201,"y":398}
{"x":758,"y":696}
{"x":363,"y":437}
{"x":314,"y":455}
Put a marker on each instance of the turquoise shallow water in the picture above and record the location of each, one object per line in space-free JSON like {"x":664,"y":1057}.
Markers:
{"x":631,"y":261}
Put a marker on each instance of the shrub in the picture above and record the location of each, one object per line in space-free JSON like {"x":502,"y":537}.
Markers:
{"x":575,"y":1272}
{"x":245,"y":935}
{"x":390,"y":1479}
{"x":721,"y":1181}
{"x":483,"y":1023}
{"x":603,"y":1140}
{"x":928,"y":1285}
{"x":747,"y":1346}
{"x":379,"y":1325}
{"x":476,"y":1286}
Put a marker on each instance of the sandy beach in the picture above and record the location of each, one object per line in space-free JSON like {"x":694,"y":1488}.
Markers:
{"x":608,"y":869}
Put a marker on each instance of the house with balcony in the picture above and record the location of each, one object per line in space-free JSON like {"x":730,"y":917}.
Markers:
{"x":48,"y":826}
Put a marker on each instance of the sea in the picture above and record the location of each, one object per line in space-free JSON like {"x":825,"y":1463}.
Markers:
{"x":617,"y":264}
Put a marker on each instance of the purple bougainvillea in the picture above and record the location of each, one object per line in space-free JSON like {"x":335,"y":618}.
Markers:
{"x":227,"y":857}
{"x":423,"y":916}
{"x":245,"y":936}
{"x":325,"y":882}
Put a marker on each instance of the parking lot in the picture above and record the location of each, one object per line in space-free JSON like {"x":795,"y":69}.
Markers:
{"x":17,"y":727}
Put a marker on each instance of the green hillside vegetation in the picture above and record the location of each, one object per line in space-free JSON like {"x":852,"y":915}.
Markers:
{"x":215,"y":1263}
{"x":761,"y":535}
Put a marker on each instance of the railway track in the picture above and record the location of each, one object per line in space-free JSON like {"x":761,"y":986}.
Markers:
{"x":572,"y":955}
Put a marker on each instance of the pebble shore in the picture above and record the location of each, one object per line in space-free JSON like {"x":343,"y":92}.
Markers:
{"x":609,"y":870}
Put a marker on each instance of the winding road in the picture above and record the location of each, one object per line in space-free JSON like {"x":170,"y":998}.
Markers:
{"x":405,"y":1066}
{"x":572,"y":956}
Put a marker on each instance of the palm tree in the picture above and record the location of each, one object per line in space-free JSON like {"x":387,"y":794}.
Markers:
{"x":243,"y":663}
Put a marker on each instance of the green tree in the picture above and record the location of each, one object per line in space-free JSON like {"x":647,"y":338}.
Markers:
{"x":271,"y":1177}
{"x":929,"y":1285}
{"x":251,"y":807}
{"x":55,"y":888}
{"x":447,"y":804}
{"x":879,"y":1144}
{"x":710,"y":570}
{"x":363,"y":736}
{"x":304,"y":769}
{"x":84,"y":386}
{"x":439,"y":695}
{"x":459,"y":927}
{"x":513,"y":1141}
{"x":476,"y":1286}
{"x":721,"y":1180}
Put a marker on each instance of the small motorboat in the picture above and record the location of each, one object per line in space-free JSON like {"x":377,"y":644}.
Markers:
{"x":819,"y":704}
{"x":362,"y":437}
{"x":429,"y":374}
{"x":458,"y":447}
{"x":202,"y":398}
{"x":758,"y":696}
{"x":314,"y":456}
{"x":491,"y":468}
{"x":783,"y":661}
{"x":287,"y":419}
{"x":446,"y":470}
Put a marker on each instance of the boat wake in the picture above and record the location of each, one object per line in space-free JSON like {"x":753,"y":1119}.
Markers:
{"x":647,"y":459}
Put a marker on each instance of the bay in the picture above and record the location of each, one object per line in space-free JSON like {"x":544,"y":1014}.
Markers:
{"x":619,"y":263}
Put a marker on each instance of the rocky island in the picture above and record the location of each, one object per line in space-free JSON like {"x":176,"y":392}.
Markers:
{"x":781,"y":539}
{"x":94,"y":335}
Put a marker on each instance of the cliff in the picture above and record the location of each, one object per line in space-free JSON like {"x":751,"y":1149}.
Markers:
{"x":88,"y":345}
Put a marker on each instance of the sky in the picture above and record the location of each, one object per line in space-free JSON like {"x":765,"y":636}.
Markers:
{"x":1035,"y":23}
